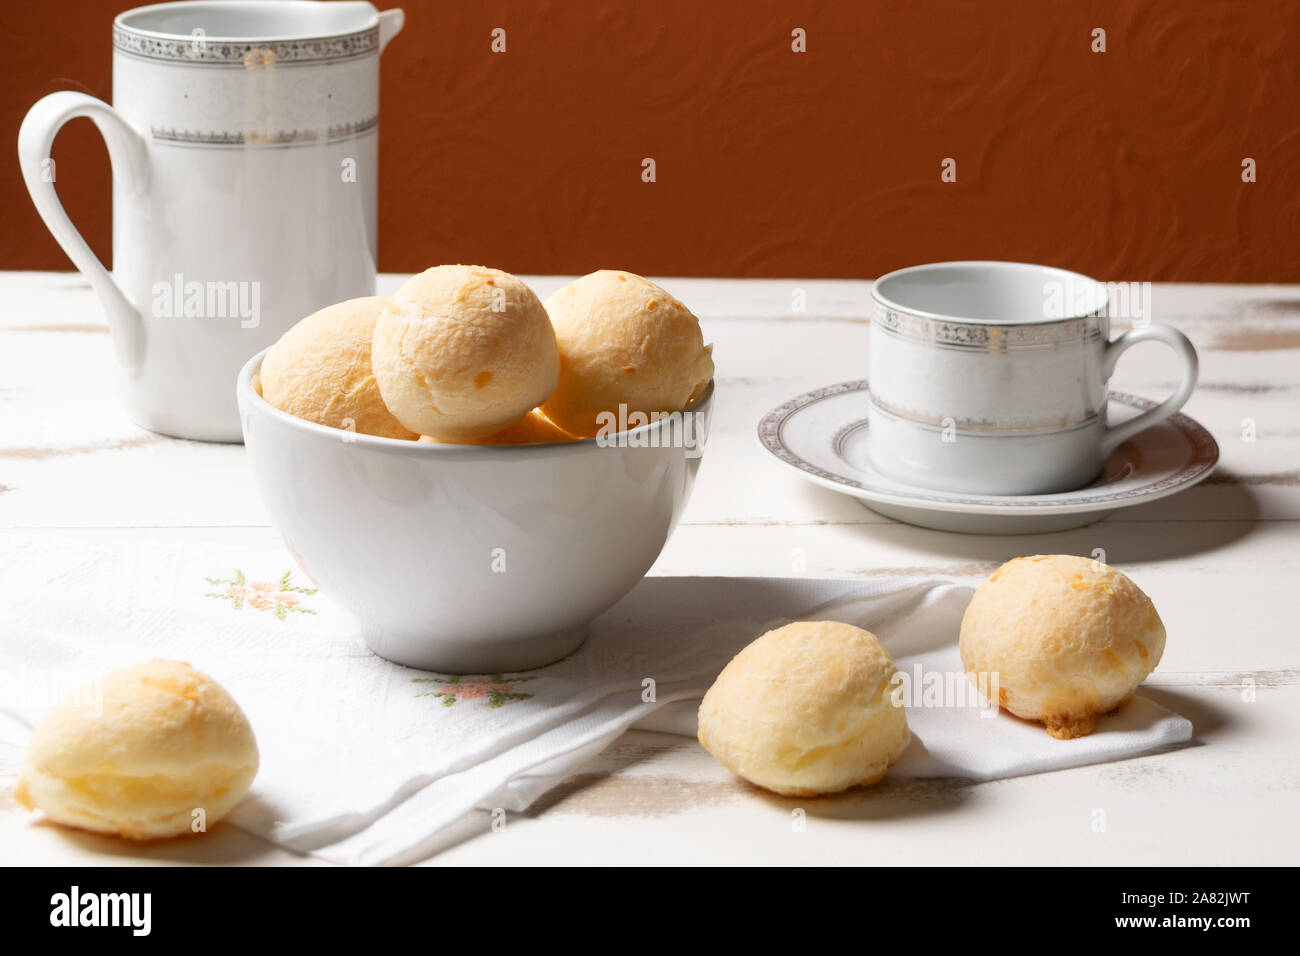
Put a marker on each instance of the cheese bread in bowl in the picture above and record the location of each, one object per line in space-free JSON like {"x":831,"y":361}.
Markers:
{"x":626,"y":346}
{"x":462,"y":352}
{"x":320,"y":371}
{"x":806,"y":709}
{"x":1066,"y":639}
{"x":533,"y":429}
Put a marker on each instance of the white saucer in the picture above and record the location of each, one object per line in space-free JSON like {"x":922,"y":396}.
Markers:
{"x":822,"y":435}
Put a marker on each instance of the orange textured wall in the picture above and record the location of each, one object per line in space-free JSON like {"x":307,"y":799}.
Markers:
{"x":1126,"y":164}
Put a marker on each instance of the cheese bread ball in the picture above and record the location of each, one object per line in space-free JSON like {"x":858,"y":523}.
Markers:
{"x":1067,"y":639}
{"x":534,"y":428}
{"x":320,"y":371}
{"x":806,"y":709}
{"x":463,"y":352}
{"x":623,"y":341}
{"x":163,"y":742}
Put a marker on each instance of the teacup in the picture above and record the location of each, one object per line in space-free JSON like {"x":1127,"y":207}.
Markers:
{"x":244,"y":144}
{"x":991,"y":378}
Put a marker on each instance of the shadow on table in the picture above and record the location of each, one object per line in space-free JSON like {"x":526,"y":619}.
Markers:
{"x":224,"y":845}
{"x":1207,"y":717}
{"x":892,"y":798}
{"x":1152,"y":532}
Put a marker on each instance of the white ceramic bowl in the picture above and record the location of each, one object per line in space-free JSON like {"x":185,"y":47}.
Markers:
{"x":469,"y":559}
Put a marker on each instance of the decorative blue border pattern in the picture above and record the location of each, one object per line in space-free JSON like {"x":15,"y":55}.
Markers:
{"x":291,"y":137}
{"x":1205,"y":454}
{"x":988,"y":338}
{"x":200,"y":51}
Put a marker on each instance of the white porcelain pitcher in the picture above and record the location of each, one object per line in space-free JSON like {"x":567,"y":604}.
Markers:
{"x":244,"y":143}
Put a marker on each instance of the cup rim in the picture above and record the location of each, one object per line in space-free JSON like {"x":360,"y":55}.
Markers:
{"x":249,"y":396}
{"x":991,"y":265}
{"x":123,"y":22}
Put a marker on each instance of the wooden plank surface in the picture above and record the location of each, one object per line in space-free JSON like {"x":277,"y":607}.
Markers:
{"x":1221,"y":562}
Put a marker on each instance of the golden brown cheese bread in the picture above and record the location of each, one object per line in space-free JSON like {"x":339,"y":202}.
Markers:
{"x":463,"y":352}
{"x":138,"y":753}
{"x":806,"y":709}
{"x":320,"y":371}
{"x":623,"y":342}
{"x":1066,"y":639}
{"x":533,"y":429}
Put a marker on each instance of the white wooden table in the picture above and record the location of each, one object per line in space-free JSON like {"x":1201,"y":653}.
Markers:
{"x":1221,"y":562}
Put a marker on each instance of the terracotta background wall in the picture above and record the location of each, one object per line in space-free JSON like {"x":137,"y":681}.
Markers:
{"x":1126,"y":164}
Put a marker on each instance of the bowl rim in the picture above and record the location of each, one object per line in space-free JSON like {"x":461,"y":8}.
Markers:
{"x":248,"y":397}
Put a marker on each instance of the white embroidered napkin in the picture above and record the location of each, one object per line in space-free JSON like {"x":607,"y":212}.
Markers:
{"x":368,"y":762}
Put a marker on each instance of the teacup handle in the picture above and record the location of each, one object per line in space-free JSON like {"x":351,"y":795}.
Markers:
{"x":1117,"y":434}
{"x":126,"y":151}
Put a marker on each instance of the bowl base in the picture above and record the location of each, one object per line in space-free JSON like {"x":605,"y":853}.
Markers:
{"x":476,"y":657}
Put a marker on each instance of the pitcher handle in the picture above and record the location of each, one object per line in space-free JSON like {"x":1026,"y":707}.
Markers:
{"x":130,"y":161}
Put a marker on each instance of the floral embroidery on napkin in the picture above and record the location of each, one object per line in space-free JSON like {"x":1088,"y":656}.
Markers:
{"x":496,"y":688}
{"x":279,"y":598}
